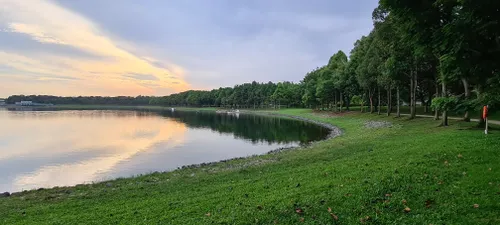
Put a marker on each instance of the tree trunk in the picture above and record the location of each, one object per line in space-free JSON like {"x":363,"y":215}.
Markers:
{"x":335,"y":102}
{"x":436,"y":112}
{"x":414,"y":91}
{"x":467,"y":95}
{"x":389,"y":109}
{"x":370,"y":92}
{"x":424,"y":103}
{"x":362,"y":105}
{"x":379,"y":102}
{"x":348,"y":102}
{"x":341,"y":101}
{"x":445,"y":113}
{"x":412,"y":97}
{"x":482,"y":122}
{"x":398,"y":114}
{"x":429,"y":101}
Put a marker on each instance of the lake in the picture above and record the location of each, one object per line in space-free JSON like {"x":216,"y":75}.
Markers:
{"x":68,"y":147}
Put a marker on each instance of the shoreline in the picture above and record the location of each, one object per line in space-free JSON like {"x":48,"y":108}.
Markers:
{"x":334,"y":132}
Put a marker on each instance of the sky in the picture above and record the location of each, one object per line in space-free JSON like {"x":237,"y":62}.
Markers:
{"x":159,"y":47}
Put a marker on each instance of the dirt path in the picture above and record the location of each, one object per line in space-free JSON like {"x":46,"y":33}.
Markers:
{"x":496,"y":122}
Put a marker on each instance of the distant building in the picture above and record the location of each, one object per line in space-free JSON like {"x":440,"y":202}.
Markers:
{"x":2,"y":102}
{"x":31,"y":103}
{"x":24,"y":103}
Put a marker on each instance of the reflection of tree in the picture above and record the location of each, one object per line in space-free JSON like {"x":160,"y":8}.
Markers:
{"x":252,"y":127}
{"x":249,"y":127}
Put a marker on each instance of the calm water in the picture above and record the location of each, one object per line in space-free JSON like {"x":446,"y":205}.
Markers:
{"x":61,"y":148}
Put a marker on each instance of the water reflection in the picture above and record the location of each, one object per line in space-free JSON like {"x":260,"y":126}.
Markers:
{"x":60,"y":148}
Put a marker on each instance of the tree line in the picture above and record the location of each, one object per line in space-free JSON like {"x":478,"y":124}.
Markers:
{"x":80,"y":100}
{"x":442,"y":54}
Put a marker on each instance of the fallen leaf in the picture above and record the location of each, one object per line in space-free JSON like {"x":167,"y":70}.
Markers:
{"x":388,"y":195}
{"x":363,"y":220}
{"x":299,"y":210}
{"x":329,"y":209}
{"x":446,"y":163}
{"x":464,"y":173}
{"x":428,"y":203}
{"x":489,"y":169}
{"x":301,"y":219}
{"x":275,"y":221}
{"x":404,"y":201}
{"x":460,"y":156}
{"x":208,"y":214}
{"x":335,"y":217}
{"x":476,"y":206}
{"x":407,"y":210}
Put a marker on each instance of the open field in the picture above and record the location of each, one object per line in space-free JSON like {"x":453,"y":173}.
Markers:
{"x":400,"y":172}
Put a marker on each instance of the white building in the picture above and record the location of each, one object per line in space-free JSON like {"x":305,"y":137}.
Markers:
{"x":24,"y":103}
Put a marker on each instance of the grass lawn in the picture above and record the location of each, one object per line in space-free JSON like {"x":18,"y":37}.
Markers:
{"x":411,"y":173}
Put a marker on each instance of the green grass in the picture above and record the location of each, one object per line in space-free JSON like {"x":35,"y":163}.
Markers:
{"x":363,"y":176}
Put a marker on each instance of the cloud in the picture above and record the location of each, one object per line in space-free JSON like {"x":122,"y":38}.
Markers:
{"x":263,"y":40}
{"x":138,"y":76}
{"x":184,"y":44}
{"x":59,"y":26}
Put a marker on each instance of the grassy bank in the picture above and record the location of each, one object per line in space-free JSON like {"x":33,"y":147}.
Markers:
{"x":413,"y":172}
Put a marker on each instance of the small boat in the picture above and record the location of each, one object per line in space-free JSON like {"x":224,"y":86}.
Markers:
{"x":172,"y":109}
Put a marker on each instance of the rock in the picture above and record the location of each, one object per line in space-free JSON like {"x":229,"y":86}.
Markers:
{"x":4,"y":195}
{"x":377,"y":124}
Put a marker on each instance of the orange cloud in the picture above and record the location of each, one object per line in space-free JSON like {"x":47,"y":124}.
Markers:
{"x":47,"y":23}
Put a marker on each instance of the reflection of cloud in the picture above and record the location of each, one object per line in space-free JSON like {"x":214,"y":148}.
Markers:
{"x":119,"y":137}
{"x":61,"y":27}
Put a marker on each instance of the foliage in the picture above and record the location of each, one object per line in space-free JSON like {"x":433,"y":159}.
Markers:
{"x":444,"y":103}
